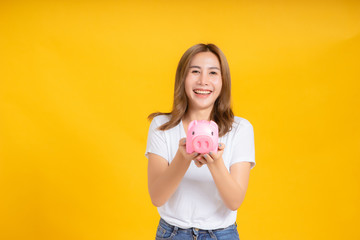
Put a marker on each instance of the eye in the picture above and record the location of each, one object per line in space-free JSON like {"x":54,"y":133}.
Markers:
{"x":195,"y":71}
{"x":212,"y":133}
{"x":193,"y":133}
{"x":213,"y":73}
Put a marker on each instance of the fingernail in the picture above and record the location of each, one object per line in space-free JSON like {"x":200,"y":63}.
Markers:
{"x":219,"y":144}
{"x":210,"y":153}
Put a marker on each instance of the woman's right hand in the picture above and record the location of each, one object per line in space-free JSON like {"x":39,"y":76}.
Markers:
{"x":182,"y":150}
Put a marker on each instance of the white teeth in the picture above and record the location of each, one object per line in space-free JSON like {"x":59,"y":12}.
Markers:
{"x":202,"y":92}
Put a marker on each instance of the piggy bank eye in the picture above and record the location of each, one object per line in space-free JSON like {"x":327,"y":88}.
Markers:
{"x":212,"y":133}
{"x":193,"y":133}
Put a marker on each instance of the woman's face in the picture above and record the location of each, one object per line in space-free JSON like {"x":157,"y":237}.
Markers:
{"x":203,"y":81}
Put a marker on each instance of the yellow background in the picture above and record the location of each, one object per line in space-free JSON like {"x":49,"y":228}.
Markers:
{"x":79,"y":78}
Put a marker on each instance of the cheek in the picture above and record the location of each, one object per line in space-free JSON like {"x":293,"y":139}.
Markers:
{"x":217,"y":83}
{"x":190,"y":81}
{"x":188,"y":87}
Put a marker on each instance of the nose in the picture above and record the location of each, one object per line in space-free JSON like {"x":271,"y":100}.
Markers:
{"x":202,"y":144}
{"x":203,"y":78}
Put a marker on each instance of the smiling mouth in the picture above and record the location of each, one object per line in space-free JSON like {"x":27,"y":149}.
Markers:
{"x":202,"y":92}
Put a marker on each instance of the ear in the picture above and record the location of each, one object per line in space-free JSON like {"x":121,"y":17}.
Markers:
{"x":192,"y":123}
{"x":213,"y":124}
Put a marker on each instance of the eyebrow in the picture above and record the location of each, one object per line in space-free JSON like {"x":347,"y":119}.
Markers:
{"x":208,"y":68}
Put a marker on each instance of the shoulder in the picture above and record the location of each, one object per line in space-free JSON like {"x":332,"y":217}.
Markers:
{"x":239,"y":127}
{"x":160,"y":120}
{"x":240,"y":122}
{"x":242,"y":130}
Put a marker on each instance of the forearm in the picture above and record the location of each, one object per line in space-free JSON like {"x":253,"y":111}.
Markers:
{"x":167,"y":182}
{"x":230,"y":191}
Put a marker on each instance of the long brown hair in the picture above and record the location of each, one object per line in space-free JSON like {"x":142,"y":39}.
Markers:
{"x":221,"y":112}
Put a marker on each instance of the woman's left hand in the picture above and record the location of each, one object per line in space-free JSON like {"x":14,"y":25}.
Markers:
{"x":210,"y":158}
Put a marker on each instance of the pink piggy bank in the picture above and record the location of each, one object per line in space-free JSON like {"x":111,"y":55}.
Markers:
{"x":202,"y":137}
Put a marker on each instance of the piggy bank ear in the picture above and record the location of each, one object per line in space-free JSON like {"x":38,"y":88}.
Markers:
{"x":192,"y":123}
{"x":213,"y":124}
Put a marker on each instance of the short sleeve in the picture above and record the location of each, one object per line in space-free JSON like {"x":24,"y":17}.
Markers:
{"x":156,"y":142}
{"x":243,"y":148}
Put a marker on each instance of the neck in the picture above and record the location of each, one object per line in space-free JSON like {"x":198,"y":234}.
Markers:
{"x":203,"y":114}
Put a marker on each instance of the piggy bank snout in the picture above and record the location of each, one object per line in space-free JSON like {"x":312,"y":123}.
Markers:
{"x":202,"y":144}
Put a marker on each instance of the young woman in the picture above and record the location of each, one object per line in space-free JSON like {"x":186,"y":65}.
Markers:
{"x":197,"y":195}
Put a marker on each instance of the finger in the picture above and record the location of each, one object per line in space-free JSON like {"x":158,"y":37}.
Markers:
{"x":208,"y":158}
{"x":202,"y":161}
{"x":221,"y":146}
{"x":195,"y":154}
{"x":198,"y":158}
{"x":197,"y":163}
{"x":182,"y":142}
{"x":216,"y":155}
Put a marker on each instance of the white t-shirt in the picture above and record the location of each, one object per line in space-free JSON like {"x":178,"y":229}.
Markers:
{"x":197,"y":202}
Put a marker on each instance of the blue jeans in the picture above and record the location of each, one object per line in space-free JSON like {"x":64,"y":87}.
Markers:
{"x":166,"y":231}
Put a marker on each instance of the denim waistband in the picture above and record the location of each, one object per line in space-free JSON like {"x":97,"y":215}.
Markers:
{"x":197,"y":229}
